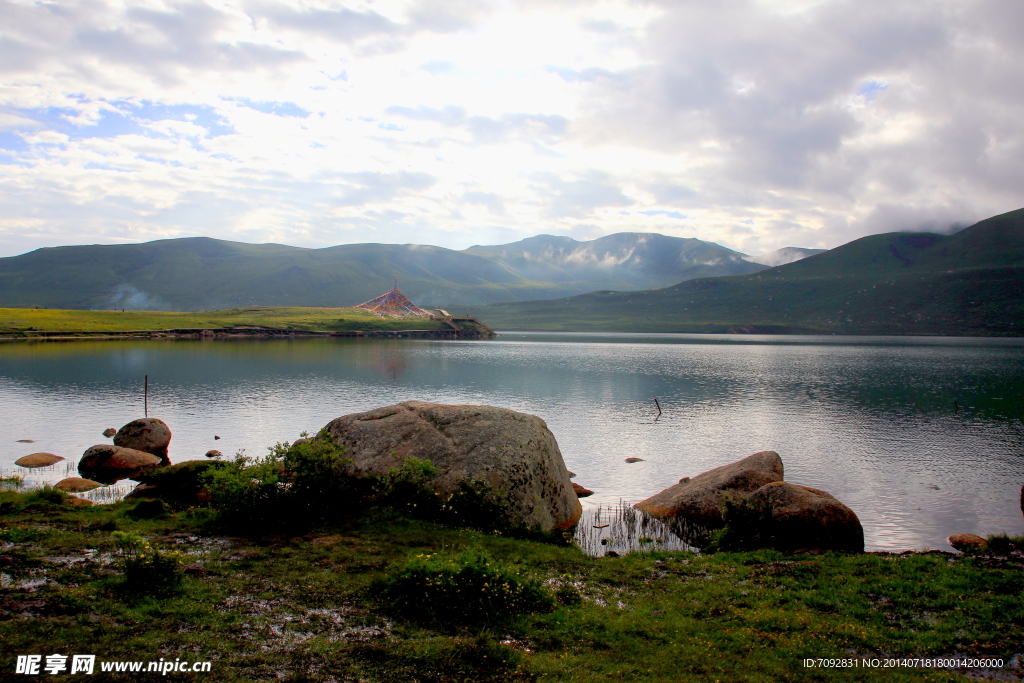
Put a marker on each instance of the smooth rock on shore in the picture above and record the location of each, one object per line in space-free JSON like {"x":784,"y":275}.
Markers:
{"x":108,"y":464}
{"x":515,"y":454}
{"x":802,"y":518}
{"x":38,"y":460}
{"x":699,"y":500}
{"x":77,"y":484}
{"x":148,"y":435}
{"x":965,"y":542}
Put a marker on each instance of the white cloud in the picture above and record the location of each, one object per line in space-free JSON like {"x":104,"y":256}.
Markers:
{"x":750,"y":123}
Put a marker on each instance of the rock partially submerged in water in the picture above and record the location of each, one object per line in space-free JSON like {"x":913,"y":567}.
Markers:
{"x":581,"y":492}
{"x":781,"y":515}
{"x":967,"y":542}
{"x":802,"y":518}
{"x":699,"y":500}
{"x":109,"y":464}
{"x":109,"y":432}
{"x":38,"y":460}
{"x":147,"y":434}
{"x":513,"y":454}
{"x":77,"y":485}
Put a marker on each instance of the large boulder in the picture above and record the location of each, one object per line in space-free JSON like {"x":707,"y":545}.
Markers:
{"x":513,"y":454}
{"x":802,"y":518}
{"x":108,"y":464}
{"x":38,"y":460}
{"x":698,"y":501}
{"x":147,"y":434}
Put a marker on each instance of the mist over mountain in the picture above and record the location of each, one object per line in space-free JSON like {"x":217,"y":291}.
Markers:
{"x":967,"y":283}
{"x":202,"y":273}
{"x":781,"y":257}
{"x":623,"y":261}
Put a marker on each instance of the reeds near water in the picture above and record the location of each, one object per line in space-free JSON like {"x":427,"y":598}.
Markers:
{"x":37,"y":477}
{"x":622,"y":528}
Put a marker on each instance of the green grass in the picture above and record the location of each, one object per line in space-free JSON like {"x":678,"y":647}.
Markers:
{"x":308,"y":606}
{"x":20,"y":321}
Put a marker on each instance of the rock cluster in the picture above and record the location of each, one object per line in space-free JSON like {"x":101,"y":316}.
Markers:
{"x":797,"y":517}
{"x":148,"y":435}
{"x":513,"y":454}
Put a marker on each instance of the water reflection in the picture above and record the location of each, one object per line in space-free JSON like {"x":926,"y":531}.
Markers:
{"x":871,"y":420}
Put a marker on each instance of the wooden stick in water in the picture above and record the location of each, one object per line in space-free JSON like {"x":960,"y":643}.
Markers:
{"x":658,"y":406}
{"x":146,"y":396}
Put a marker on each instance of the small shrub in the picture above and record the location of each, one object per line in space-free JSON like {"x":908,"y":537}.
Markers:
{"x":468,"y":588}
{"x":247,"y":491}
{"x":147,"y":570}
{"x":1002,"y":544}
{"x":293,"y":482}
{"x":46,"y":495}
{"x":747,"y":526}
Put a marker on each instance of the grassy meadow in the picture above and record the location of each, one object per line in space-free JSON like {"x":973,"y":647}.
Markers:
{"x":21,"y":321}
{"x":324,"y":602}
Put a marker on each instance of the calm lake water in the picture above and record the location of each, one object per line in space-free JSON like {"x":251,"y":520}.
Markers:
{"x":922,"y":437}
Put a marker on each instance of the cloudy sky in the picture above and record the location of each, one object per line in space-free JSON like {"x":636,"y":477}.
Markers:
{"x":756,"y":124}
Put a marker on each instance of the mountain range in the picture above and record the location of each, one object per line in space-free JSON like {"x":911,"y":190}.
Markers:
{"x":201,"y":273}
{"x":967,"y":283}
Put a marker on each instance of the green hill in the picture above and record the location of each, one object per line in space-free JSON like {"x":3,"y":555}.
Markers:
{"x":201,"y":273}
{"x":969,"y":283}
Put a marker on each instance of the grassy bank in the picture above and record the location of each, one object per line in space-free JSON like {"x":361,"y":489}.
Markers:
{"x":306,"y":606}
{"x":20,"y":321}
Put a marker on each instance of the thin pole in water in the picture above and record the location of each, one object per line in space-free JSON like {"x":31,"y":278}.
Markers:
{"x":658,"y":405}
{"x":146,"y":395}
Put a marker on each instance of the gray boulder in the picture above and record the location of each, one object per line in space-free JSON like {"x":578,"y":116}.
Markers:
{"x":107,"y":464}
{"x":802,"y":518}
{"x":698,"y":500}
{"x":513,"y":454}
{"x":147,"y":434}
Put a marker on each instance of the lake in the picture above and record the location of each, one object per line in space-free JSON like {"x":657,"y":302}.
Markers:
{"x":922,"y":437}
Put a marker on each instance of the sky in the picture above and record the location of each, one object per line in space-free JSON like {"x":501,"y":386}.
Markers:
{"x":755,"y":124}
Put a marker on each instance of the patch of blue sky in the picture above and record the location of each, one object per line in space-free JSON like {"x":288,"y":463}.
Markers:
{"x":158,"y":160}
{"x":199,"y":114}
{"x":12,"y":142}
{"x":390,"y":126}
{"x":274,"y":108}
{"x":670,"y":214}
{"x":107,"y":167}
{"x":127,"y":118}
{"x":870,"y":89}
